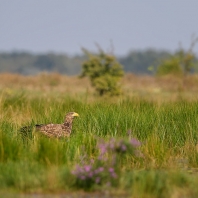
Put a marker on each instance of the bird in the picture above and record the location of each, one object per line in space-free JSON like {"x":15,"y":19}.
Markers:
{"x":56,"y":130}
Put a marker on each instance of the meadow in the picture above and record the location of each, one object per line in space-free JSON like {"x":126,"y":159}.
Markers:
{"x":143,"y":143}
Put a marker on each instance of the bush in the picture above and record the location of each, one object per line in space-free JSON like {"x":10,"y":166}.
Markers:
{"x":181,"y":63}
{"x":104,"y":73}
{"x":170,"y":66}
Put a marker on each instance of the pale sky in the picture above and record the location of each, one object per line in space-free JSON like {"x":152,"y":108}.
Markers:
{"x":64,"y":26}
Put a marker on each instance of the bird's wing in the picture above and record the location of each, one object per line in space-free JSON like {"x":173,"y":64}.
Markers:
{"x":51,"y":130}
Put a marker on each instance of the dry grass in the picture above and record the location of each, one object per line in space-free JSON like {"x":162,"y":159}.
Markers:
{"x":148,"y":87}
{"x":167,"y":88}
{"x":44,"y":82}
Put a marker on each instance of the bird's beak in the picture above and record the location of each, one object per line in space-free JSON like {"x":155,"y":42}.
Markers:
{"x":75,"y":115}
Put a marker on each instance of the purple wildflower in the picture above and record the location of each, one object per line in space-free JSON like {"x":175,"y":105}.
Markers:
{"x":87,"y":168}
{"x":112,"y":144}
{"x":91,"y":174}
{"x":135,"y":142}
{"x":123,"y":147}
{"x":96,"y":171}
{"x":111,"y":170}
{"x":114,"y":175}
{"x":97,"y":180}
{"x":103,"y":148}
{"x":100,"y":169}
{"x":82,"y":177}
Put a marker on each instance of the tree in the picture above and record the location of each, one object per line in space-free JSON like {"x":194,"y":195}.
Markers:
{"x":188,"y":57}
{"x":104,"y":72}
{"x":138,"y":61}
{"x":181,"y":63}
{"x":170,"y":66}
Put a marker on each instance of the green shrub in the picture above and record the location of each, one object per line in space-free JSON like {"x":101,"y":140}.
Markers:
{"x":104,"y":73}
{"x":180,"y":64}
{"x":170,"y":66}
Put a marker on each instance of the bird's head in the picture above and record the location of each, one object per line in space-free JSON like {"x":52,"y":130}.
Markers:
{"x":74,"y":114}
{"x":71,"y":115}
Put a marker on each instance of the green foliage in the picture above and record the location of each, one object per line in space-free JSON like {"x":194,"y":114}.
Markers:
{"x":170,"y":66}
{"x":180,"y":64}
{"x":187,"y":61}
{"x":104,"y":72}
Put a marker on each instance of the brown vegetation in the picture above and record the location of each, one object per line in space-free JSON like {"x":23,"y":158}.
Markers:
{"x":148,"y":87}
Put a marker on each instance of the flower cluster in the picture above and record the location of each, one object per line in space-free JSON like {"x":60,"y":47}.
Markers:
{"x":104,"y":168}
{"x":118,"y":146}
{"x":91,"y":174}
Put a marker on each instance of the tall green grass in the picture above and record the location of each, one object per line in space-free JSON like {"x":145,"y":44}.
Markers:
{"x":168,"y":132}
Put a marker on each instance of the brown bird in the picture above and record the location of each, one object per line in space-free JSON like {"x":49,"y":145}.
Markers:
{"x":58,"y":130}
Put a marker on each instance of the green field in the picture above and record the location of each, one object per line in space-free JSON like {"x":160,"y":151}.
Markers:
{"x":164,"y":165}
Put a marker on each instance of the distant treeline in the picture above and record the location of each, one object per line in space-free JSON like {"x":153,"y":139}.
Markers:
{"x":30,"y":64}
